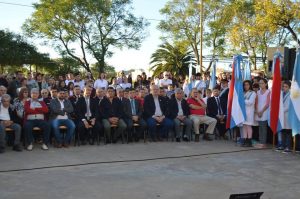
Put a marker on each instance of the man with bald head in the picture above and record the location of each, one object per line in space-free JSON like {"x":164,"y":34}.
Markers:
{"x":156,"y":112}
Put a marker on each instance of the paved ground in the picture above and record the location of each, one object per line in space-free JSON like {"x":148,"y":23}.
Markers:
{"x":208,"y":173}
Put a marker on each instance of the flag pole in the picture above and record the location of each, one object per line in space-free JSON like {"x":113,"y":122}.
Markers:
{"x":273,"y":140}
{"x":294,"y":143}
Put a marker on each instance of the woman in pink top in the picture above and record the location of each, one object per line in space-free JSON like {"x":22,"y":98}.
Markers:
{"x":262,"y":107}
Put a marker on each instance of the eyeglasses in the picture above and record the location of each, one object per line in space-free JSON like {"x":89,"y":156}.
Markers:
{"x":44,"y":93}
{"x":5,"y":101}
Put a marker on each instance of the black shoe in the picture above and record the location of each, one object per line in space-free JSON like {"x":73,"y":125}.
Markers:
{"x":207,"y":138}
{"x":177,"y":139}
{"x":91,"y":142}
{"x":2,"y":150}
{"x":186,"y":139}
{"x":17,"y":148}
{"x":83,"y":142}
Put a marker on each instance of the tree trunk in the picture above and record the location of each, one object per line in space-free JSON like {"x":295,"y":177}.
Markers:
{"x":290,"y":29}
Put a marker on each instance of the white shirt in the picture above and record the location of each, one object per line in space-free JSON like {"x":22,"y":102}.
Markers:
{"x":80,"y":84}
{"x":158,"y":111}
{"x":68,"y":81}
{"x":62,"y":106}
{"x":165,"y":82}
{"x":125,"y":85}
{"x":100,"y":83}
{"x":180,"y":111}
{"x":4,"y":114}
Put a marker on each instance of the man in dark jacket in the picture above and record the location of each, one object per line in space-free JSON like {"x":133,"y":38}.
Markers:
{"x":179,"y":112}
{"x":111,"y":112}
{"x":217,"y":108}
{"x":87,"y":113}
{"x":156,"y":112}
{"x":8,"y":120}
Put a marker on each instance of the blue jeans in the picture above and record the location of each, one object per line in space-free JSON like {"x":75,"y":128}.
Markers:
{"x":284,"y":138}
{"x":165,"y":126}
{"x":28,"y":126}
{"x":70,"y":130}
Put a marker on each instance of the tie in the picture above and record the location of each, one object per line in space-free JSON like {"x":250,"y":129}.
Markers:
{"x":133,"y":107}
{"x":219,"y":107}
{"x":88,"y":111}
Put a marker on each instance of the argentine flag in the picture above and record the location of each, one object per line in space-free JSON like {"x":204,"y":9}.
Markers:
{"x":294,"y":109}
{"x":236,"y":104}
{"x":276,"y":114}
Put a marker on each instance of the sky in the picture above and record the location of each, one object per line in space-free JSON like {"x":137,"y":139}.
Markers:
{"x":12,"y":17}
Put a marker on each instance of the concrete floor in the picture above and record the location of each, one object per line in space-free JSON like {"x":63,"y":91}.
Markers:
{"x":207,"y":176}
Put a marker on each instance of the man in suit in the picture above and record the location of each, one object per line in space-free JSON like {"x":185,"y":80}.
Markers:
{"x":179,"y":114}
{"x":127,"y":114}
{"x":87,"y":114}
{"x":136,"y":114}
{"x":156,"y":112}
{"x":8,"y":119}
{"x":111,"y":111}
{"x":224,"y":91}
{"x":217,"y":108}
{"x":60,"y":115}
{"x":100,"y":94}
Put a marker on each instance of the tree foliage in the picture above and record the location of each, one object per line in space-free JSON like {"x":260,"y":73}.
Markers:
{"x":92,"y":26}
{"x":15,"y":50}
{"x":171,"y":58}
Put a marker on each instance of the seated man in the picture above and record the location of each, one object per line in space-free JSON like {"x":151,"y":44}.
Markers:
{"x":179,"y":113}
{"x":112,"y":114}
{"x":127,"y":114}
{"x":197,"y":110}
{"x":35,"y":111}
{"x":87,"y":114}
{"x":156,"y":112}
{"x":60,"y":110}
{"x":216,"y":108}
{"x":100,"y":93}
{"x":8,"y":120}
{"x":136,"y":116}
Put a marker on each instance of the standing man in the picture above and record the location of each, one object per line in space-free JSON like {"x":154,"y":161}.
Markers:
{"x":156,"y":112}
{"x":179,"y":113}
{"x":60,"y":115}
{"x":166,"y":81}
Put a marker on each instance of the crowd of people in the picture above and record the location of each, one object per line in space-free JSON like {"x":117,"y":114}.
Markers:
{"x":162,"y":106}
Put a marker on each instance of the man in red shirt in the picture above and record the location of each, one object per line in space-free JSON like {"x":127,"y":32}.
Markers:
{"x":197,"y":111}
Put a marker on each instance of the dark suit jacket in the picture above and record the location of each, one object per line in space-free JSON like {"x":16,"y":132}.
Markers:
{"x":173,"y":107}
{"x":74,"y":100}
{"x":212,"y":107}
{"x":138,"y":108}
{"x":126,"y":108}
{"x":80,"y":109}
{"x":114,"y":109}
{"x":55,"y":108}
{"x":149,"y":106}
{"x":224,"y":95}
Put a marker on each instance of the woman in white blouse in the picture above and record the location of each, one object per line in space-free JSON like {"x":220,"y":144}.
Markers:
{"x":249,"y":96}
{"x":101,"y":82}
{"x":262,"y":107}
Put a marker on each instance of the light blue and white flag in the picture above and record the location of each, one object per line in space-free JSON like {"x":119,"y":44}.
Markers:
{"x":294,"y":109}
{"x":236,"y":109}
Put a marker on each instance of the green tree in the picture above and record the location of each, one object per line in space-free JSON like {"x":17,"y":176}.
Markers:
{"x":171,"y":58}
{"x":87,"y":28}
{"x":280,"y":14}
{"x":182,"y":23}
{"x":16,"y":51}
